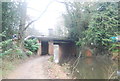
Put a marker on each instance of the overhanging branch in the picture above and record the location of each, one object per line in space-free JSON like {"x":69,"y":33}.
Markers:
{"x":38,"y":17}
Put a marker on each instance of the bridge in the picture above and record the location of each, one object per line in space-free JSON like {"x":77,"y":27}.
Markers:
{"x":59,"y":48}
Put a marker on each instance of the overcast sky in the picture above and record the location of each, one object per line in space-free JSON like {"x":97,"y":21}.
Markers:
{"x":49,"y":18}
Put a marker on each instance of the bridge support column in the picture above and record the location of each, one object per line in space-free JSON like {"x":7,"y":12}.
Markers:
{"x":50,"y":48}
{"x":39,"y":49}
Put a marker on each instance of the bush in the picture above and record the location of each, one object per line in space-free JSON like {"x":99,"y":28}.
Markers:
{"x":31,"y":44}
{"x":5,"y":45}
{"x":115,"y":47}
{"x":10,"y":51}
{"x":29,"y":53}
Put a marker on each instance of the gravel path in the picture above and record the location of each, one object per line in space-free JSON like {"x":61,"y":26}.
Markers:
{"x":32,"y":69}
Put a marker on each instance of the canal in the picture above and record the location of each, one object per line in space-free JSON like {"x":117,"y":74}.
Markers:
{"x":94,"y":68}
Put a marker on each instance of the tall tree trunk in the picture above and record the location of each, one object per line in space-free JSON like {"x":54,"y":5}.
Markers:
{"x":22,"y":24}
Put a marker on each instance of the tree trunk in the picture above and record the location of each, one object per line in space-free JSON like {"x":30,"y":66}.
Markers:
{"x":23,"y":9}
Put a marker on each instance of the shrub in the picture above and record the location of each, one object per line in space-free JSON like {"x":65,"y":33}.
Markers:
{"x":31,"y":44}
{"x":29,"y":53}
{"x":10,"y":50}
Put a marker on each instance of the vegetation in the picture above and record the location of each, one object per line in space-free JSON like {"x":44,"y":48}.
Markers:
{"x":12,"y":18}
{"x":31,"y":44}
{"x":51,"y":58}
{"x":92,"y":24}
{"x":13,"y":22}
{"x":87,"y":24}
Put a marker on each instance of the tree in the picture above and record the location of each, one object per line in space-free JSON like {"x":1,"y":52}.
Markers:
{"x":77,"y":18}
{"x":13,"y":18}
{"x":104,"y":24}
{"x":92,"y":23}
{"x":60,"y":30}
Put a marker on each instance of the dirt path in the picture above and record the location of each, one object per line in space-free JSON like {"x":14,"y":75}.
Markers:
{"x":33,"y":69}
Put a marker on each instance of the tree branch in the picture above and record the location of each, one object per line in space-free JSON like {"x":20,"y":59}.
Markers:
{"x":42,"y":14}
{"x":38,"y":17}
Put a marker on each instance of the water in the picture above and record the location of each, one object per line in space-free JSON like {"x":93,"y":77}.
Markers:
{"x":95,"y":68}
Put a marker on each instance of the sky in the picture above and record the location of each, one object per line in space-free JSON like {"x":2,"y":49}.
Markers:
{"x":49,"y":18}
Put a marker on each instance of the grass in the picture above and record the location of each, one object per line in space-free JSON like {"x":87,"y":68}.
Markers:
{"x":51,"y":59}
{"x":8,"y":67}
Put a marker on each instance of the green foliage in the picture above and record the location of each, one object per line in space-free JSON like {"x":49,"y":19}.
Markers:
{"x":92,"y":23}
{"x":12,"y":23}
{"x":31,"y":44}
{"x":115,"y":47}
{"x":2,"y":34}
{"x":5,"y":43}
{"x":29,"y":53}
{"x":11,"y":18}
{"x":6,"y":52}
{"x":10,"y":50}
{"x":77,"y":19}
{"x":13,"y":54}
{"x":103,"y":24}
